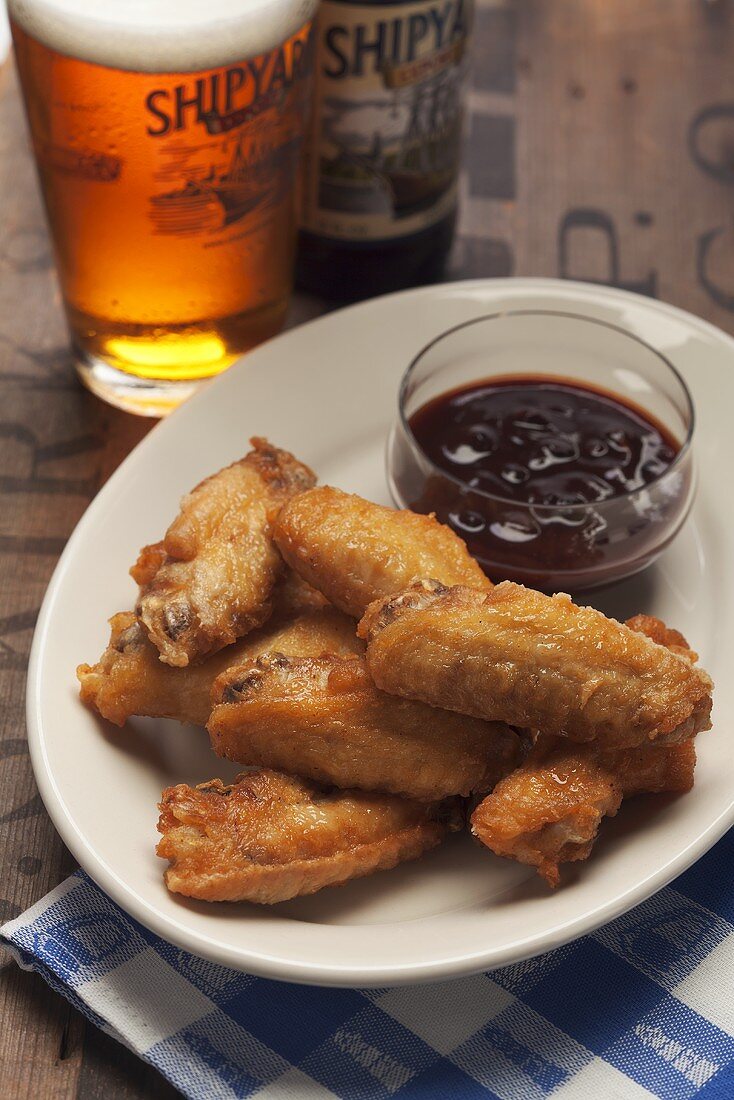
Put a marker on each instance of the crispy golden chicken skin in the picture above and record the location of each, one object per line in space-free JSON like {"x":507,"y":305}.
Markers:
{"x":323,"y":718}
{"x":533,"y":661}
{"x":657,"y":631}
{"x":269,"y":837}
{"x":129,"y":678}
{"x":549,"y":810}
{"x":210,"y":580}
{"x":356,"y":552}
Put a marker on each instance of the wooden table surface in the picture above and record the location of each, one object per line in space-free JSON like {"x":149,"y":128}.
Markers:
{"x":600,"y":147}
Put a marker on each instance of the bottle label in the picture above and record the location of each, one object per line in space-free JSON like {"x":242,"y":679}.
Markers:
{"x":383,"y":156}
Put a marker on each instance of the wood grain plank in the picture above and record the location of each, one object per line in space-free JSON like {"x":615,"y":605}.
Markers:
{"x":109,"y":1070}
{"x":41,"y":1051}
{"x":608,"y":189}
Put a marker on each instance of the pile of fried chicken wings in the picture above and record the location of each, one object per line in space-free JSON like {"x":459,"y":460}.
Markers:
{"x":380,"y":692}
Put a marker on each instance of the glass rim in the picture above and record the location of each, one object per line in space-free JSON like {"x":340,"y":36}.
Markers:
{"x":683,"y":451}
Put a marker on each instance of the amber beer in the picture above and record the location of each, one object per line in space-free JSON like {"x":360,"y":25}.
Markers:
{"x":168,"y":155}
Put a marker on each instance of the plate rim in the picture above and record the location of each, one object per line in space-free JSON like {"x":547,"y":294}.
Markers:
{"x":259,"y":962}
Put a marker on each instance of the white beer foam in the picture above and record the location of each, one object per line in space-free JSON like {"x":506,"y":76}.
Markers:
{"x":162,"y":35}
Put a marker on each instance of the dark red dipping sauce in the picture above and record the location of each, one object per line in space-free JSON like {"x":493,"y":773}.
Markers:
{"x":547,"y":478}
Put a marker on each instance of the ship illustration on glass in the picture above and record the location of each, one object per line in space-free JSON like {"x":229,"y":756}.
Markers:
{"x":256,"y":175}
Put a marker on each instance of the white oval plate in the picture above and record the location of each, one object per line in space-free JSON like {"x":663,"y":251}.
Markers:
{"x":327,"y":391}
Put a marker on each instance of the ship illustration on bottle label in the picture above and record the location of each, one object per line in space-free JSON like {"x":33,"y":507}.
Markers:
{"x":384,"y":151}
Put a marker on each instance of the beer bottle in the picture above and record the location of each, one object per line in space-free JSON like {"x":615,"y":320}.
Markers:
{"x":382,"y":156}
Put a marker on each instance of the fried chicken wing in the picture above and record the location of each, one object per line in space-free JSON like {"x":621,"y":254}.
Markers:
{"x":269,"y":837}
{"x":549,"y":810}
{"x":292,"y":596}
{"x":657,"y":631}
{"x":356,"y":552}
{"x":129,"y":679}
{"x":210,"y":580}
{"x":533,"y":661}
{"x":324,"y":719}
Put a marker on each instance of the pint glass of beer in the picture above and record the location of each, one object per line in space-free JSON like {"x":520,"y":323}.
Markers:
{"x":167,"y":138}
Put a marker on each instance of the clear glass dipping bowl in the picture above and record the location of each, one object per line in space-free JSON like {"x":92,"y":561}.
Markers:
{"x":566,"y":547}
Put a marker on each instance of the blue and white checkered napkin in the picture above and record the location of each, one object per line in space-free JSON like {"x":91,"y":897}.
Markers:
{"x":643,"y":1007}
